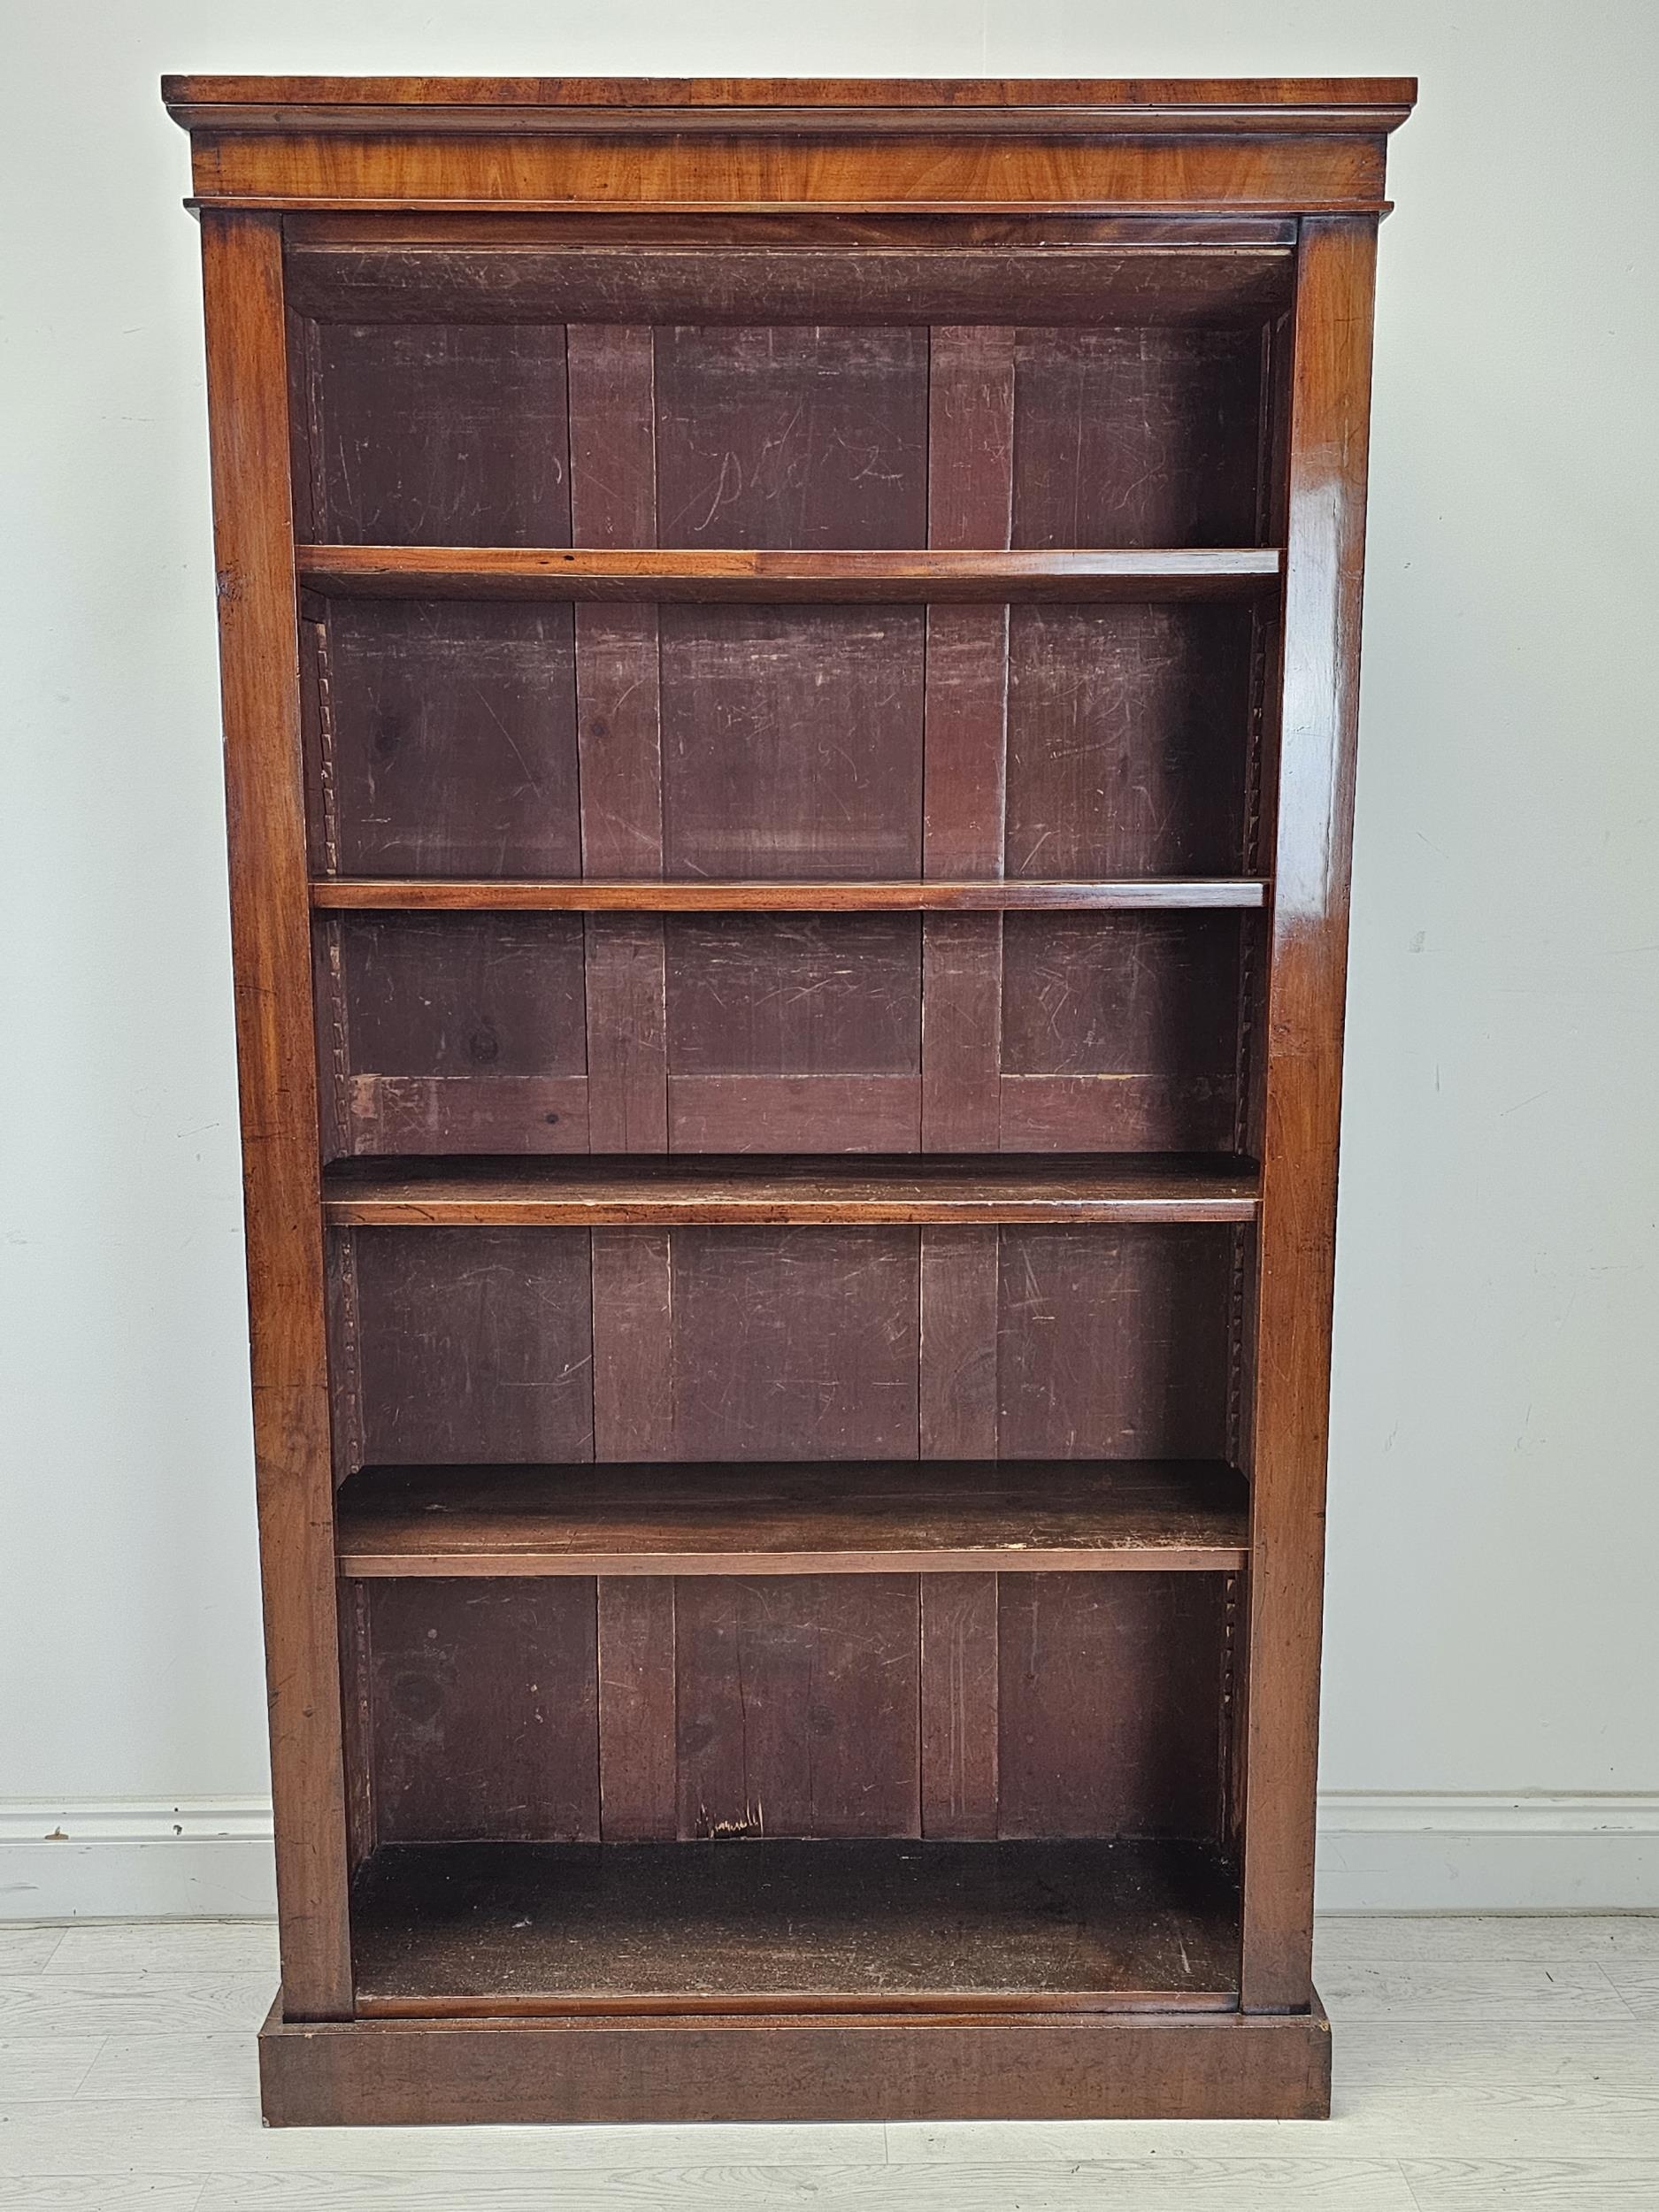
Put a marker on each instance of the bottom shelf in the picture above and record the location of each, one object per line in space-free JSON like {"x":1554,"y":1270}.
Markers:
{"x":448,"y":1930}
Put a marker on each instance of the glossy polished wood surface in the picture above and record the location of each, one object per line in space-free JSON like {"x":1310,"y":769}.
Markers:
{"x":553,"y":572}
{"x":806,"y":945}
{"x":253,"y":550}
{"x":1330,"y":412}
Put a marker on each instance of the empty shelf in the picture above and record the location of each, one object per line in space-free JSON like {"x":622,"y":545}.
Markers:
{"x":495,"y":572}
{"x":575,"y":1192}
{"x":852,"y":1517}
{"x":478,"y":1928}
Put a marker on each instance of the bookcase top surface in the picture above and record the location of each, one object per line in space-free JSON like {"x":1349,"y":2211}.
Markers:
{"x":1165,"y":104}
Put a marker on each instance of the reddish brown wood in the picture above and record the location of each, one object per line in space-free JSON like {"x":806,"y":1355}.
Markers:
{"x":555,"y":1194}
{"x":637,"y":1746}
{"x":961,"y":1777}
{"x":959,"y":1385}
{"x":1123,"y":2066}
{"x":398,"y":894}
{"x":482,"y":1710}
{"x":827,"y":612}
{"x":1199,"y":104}
{"x":461,"y":572}
{"x":632,"y":1314}
{"x":960,"y":1519}
{"x":247,"y":373}
{"x":1330,"y":411}
{"x":772,"y":270}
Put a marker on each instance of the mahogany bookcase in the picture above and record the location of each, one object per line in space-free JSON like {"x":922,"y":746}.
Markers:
{"x":789,"y":659}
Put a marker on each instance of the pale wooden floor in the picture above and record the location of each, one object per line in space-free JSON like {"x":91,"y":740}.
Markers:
{"x":1479,"y":2063}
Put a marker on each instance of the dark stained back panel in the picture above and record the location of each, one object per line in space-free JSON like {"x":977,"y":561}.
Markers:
{"x":1113,"y":1343}
{"x":797,"y":1706}
{"x":785,"y":1344}
{"x":425,"y":434}
{"x":791,"y":1706}
{"x":796,"y":1343}
{"x":1126,"y":740}
{"x":1136,"y":436}
{"x":1109,"y":1704}
{"x":473,"y":1345}
{"x":804,"y":436}
{"x":447,"y":739}
{"x":483,"y":1714}
{"x":792,"y":741}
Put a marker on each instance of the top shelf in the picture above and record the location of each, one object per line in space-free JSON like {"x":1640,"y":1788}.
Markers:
{"x":493,"y":571}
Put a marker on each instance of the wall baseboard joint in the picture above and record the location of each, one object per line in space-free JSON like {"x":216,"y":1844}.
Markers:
{"x":1378,"y":1852}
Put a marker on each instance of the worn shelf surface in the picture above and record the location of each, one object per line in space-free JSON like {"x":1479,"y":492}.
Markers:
{"x":493,"y":572}
{"x":592,"y":895}
{"x":857,"y":1518}
{"x":573,"y":1192}
{"x":726,"y":1927}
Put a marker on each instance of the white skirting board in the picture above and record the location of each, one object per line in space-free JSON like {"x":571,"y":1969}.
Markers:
{"x":1378,"y":1853}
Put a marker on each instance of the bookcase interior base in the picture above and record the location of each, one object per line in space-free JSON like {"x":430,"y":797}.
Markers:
{"x":757,"y":2067}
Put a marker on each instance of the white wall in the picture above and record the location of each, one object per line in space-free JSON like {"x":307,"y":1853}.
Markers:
{"x":1495,"y":1515}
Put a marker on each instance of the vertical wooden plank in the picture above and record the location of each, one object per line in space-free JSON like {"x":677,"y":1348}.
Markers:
{"x":613,"y":503}
{"x":248,"y":401}
{"x":485,"y":1710}
{"x":969,"y":494}
{"x":798,"y":1706}
{"x":1110,"y":1705}
{"x":959,"y":1344}
{"x":355,"y":1667}
{"x":959,"y":1701}
{"x":1329,"y":416}
{"x":636,"y":1708}
{"x":627,"y":1034}
{"x":633,"y":1398}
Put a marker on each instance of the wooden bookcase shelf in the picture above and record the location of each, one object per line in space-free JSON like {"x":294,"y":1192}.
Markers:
{"x":952,"y":1517}
{"x":416,"y":894}
{"x":781,"y":1928}
{"x":559,"y":1194}
{"x":789,"y":670}
{"x":938,"y":577}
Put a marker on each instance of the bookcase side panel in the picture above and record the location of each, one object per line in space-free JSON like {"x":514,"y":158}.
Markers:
{"x":249,"y":415}
{"x":1330,"y":375}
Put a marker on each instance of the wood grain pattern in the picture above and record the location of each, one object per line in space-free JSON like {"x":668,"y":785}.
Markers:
{"x":961,"y":1777}
{"x":945,"y":169}
{"x":797,"y":1699}
{"x":483,"y":1711}
{"x":767,"y":274}
{"x":475,"y":1347}
{"x":638,"y":1762}
{"x":776,"y":1927}
{"x":1166,"y":2065}
{"x":462,"y":572}
{"x":959,"y":1379}
{"x":1329,"y":421}
{"x":441,"y":434}
{"x":393,"y":894}
{"x":961,"y":1518}
{"x":553,"y":1194}
{"x":633,"y":1326}
{"x":971,"y":769}
{"x":1203,"y":104}
{"x":1109,"y":1703}
{"x":451,"y":738}
{"x":247,"y":373}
